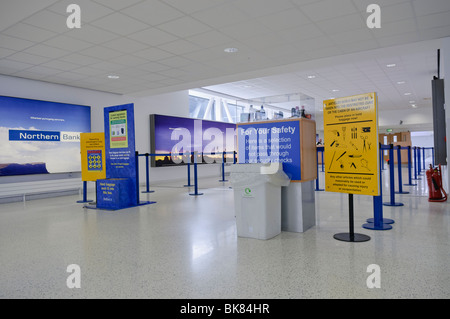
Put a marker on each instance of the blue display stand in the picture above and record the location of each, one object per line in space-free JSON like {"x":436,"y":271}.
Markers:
{"x":114,"y":193}
{"x":120,"y":189}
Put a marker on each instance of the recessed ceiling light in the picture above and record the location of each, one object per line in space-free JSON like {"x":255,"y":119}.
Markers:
{"x":414,"y":105}
{"x":407,"y":93}
{"x":114,"y":77}
{"x":231,"y":50}
{"x":401,"y":82}
{"x":311,"y":76}
{"x":391,"y":65}
{"x":335,"y":90}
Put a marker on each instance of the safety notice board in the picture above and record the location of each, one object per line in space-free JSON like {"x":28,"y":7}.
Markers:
{"x":92,"y":156}
{"x":351,"y":145}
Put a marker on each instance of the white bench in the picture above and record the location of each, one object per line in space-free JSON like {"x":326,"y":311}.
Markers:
{"x":12,"y":192}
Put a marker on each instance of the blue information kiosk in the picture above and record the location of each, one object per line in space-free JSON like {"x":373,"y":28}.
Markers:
{"x":120,"y":188}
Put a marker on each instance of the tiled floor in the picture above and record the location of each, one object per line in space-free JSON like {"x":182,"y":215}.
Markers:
{"x":187,"y":247}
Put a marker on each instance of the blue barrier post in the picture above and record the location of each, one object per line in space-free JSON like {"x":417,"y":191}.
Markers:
{"x":234,"y":157}
{"x":188,"y":171}
{"x":195,"y":177}
{"x":85,"y":200}
{"x":317,"y":171}
{"x":391,"y":179}
{"x":432,"y":156}
{"x":382,"y":157}
{"x":136,"y":160}
{"x":147,"y":175}
{"x":423,"y":158}
{"x":138,"y":201}
{"x":378,"y":222}
{"x":415,"y":164}
{"x":409,"y":169}
{"x":399,"y":170}
{"x":323,"y":169}
{"x":223,"y":168}
{"x":419,"y":169}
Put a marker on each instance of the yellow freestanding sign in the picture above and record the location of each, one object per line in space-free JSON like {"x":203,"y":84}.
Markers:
{"x":92,"y":156}
{"x":351,"y":145}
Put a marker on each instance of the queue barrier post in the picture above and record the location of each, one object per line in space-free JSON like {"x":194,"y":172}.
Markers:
{"x":188,"y":170}
{"x":410,"y":183}
{"x":391,"y":179}
{"x":419,"y":168}
{"x":84,"y":200}
{"x":223,"y":168}
{"x":196,"y":193}
{"x":323,"y":166}
{"x":415,"y":164}
{"x":138,"y":201}
{"x":378,"y":222}
{"x":423,"y":159}
{"x":432,"y":156}
{"x":147,"y":174}
{"x":399,"y":171}
{"x":317,"y":171}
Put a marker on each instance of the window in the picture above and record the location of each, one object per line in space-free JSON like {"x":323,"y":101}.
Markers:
{"x":213,"y":108}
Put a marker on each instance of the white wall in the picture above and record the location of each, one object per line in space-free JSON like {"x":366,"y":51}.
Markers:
{"x":412,"y":118}
{"x":423,"y":140}
{"x":176,"y":104}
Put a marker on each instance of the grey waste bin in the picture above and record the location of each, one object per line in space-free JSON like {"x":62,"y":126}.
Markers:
{"x":257,"y":199}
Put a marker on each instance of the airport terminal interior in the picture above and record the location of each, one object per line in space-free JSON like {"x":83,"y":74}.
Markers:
{"x":96,"y":97}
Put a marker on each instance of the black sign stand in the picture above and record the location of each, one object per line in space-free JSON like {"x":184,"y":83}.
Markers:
{"x":351,"y":236}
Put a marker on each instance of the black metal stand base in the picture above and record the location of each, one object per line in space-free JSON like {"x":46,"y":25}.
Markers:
{"x":351,"y":236}
{"x":355,"y":238}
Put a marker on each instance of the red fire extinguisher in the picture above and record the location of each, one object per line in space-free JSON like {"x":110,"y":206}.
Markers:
{"x":434,"y":179}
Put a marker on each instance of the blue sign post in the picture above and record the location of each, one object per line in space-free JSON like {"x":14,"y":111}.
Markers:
{"x":120,"y":188}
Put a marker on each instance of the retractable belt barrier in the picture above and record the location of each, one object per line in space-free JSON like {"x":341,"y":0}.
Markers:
{"x":188,"y":154}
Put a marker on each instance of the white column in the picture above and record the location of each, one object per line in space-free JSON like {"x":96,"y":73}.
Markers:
{"x":218,"y":106}
{"x":207,"y":115}
{"x":227,"y":111}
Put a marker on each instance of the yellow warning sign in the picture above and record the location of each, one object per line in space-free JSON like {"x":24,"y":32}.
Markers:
{"x":351,"y":145}
{"x":92,"y":156}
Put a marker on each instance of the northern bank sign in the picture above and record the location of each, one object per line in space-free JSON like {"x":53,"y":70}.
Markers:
{"x":43,"y":136}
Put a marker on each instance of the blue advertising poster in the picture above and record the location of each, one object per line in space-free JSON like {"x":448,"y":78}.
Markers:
{"x":120,"y":145}
{"x":208,"y":137}
{"x":41,"y":137}
{"x":277,"y":142}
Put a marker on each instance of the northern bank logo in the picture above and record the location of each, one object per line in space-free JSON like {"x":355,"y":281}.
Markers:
{"x":43,"y":136}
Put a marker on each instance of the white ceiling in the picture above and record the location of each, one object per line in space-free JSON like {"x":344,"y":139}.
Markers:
{"x":158,"y":46}
{"x":408,"y":81}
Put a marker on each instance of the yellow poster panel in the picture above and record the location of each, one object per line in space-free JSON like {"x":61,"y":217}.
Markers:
{"x":92,"y":156}
{"x":351,"y":145}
